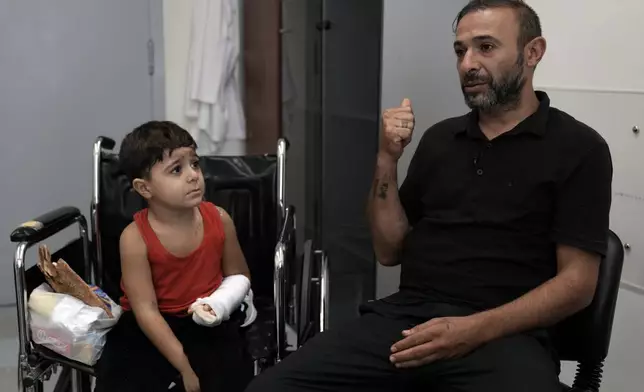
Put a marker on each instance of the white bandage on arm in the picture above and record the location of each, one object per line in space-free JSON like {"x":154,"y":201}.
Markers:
{"x":224,"y":301}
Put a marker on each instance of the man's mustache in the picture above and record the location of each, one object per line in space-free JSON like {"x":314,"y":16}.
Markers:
{"x":473,"y":78}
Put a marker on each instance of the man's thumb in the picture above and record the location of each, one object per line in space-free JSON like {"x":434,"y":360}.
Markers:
{"x":406,"y":103}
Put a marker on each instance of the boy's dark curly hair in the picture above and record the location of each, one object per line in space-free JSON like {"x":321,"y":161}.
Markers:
{"x":146,"y":144}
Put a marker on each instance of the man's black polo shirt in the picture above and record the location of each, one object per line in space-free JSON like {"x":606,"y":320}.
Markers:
{"x":487,"y":215}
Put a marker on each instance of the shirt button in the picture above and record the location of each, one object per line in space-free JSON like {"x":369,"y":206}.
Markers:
{"x":479,"y":172}
{"x":489,"y":145}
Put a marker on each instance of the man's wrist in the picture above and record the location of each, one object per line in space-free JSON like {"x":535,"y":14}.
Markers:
{"x":487,"y":325}
{"x":385,"y":160}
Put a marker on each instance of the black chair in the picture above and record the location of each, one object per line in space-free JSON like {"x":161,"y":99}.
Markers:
{"x":585,"y":336}
{"x":250,"y":188}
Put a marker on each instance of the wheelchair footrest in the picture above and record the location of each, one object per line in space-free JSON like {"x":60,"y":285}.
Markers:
{"x":50,"y":355}
{"x":40,"y":371}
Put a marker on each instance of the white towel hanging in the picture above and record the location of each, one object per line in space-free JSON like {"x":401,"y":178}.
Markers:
{"x":213,"y":103}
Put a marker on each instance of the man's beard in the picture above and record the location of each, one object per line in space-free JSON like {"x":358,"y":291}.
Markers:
{"x":501,"y":94}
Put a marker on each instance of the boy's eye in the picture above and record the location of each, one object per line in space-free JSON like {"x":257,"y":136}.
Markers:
{"x":176,"y":169}
{"x":195,"y":164}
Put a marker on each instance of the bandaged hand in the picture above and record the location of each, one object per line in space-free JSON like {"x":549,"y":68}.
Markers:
{"x":222,"y":303}
{"x":204,"y":311}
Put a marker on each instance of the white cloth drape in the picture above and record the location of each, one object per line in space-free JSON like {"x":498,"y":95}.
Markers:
{"x":213,"y":102}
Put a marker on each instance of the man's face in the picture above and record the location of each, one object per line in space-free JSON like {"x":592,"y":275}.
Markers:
{"x":177,"y":180}
{"x":490,"y":64}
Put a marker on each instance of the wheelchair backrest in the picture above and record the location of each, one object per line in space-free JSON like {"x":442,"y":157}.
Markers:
{"x":244,"y":186}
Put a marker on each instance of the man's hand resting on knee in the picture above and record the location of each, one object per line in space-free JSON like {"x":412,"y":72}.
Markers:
{"x":439,"y":338}
{"x":570,"y":291}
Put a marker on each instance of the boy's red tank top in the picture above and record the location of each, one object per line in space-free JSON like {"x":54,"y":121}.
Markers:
{"x":179,"y":281}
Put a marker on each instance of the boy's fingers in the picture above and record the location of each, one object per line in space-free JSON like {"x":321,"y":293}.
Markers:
{"x":209,"y":309}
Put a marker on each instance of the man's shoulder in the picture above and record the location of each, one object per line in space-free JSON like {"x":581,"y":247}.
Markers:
{"x":573,"y":132}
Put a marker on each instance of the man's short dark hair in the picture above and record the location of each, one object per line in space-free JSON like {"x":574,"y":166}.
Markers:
{"x":529,"y":23}
{"x":146,"y":144}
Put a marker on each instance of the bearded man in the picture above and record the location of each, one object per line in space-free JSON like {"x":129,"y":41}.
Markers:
{"x":499,"y":228}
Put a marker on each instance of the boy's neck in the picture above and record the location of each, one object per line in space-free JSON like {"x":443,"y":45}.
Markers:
{"x":172,"y":216}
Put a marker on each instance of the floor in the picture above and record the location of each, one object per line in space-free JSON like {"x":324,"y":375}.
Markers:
{"x":8,"y":349}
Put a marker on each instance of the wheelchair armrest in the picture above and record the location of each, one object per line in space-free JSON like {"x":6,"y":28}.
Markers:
{"x":46,"y":225}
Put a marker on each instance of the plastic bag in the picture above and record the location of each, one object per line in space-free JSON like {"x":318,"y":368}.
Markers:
{"x":68,"y":326}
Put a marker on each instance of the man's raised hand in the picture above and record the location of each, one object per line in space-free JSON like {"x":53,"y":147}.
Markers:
{"x":397,"y":128}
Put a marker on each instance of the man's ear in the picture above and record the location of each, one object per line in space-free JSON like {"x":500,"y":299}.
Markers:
{"x":142,"y":188}
{"x":534,"y":51}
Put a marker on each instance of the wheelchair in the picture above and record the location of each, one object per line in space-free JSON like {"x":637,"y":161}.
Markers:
{"x":290,"y":290}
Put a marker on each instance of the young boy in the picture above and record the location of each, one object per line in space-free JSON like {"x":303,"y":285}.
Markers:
{"x":183,"y":274}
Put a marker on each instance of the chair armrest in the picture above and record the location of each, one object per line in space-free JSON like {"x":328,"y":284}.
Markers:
{"x":46,"y":225}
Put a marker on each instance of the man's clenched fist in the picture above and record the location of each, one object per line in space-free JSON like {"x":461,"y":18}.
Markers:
{"x":397,"y":127}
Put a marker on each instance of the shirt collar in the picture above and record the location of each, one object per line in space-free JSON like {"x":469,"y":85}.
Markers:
{"x":536,"y":123}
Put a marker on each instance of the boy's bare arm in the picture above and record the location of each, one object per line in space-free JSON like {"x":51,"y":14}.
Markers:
{"x":233,"y":260}
{"x":137,"y":280}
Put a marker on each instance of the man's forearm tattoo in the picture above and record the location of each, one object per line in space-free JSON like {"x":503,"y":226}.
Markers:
{"x":380,"y":187}
{"x":382,"y":190}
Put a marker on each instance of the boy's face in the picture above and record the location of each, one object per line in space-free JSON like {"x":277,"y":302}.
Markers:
{"x":176,"y":181}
